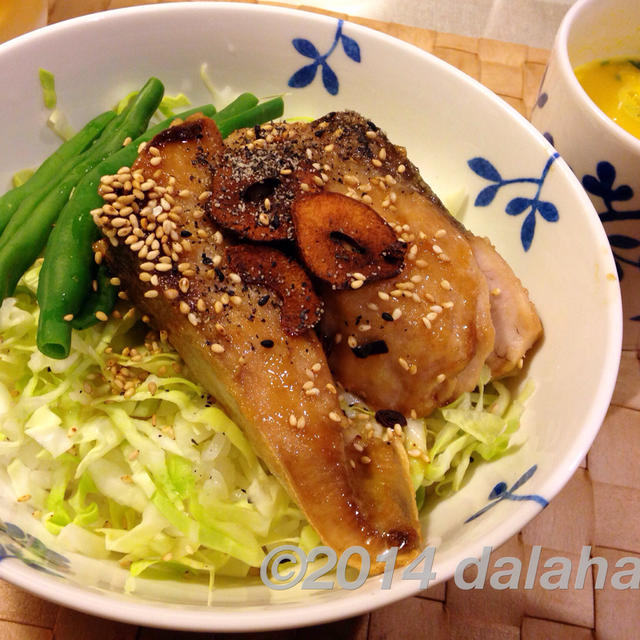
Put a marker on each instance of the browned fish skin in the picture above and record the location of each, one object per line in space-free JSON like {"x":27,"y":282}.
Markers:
{"x":278,"y":388}
{"x":434,"y":317}
{"x":433,"y":327}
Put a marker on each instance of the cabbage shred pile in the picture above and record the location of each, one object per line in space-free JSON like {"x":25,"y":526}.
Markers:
{"x":121,"y":455}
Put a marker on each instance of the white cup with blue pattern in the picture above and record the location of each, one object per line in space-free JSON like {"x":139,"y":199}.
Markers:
{"x":604,"y":157}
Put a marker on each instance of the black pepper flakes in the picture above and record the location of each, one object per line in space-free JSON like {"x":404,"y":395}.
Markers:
{"x":374,"y":348}
{"x":389,"y":418}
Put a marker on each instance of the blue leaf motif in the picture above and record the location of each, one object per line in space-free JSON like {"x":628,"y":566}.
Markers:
{"x":548,"y":211}
{"x":306,"y":48}
{"x":518,"y":205}
{"x":524,"y":477}
{"x":623,"y":242}
{"x":527,"y":230}
{"x":498,"y":490}
{"x":592,"y":185}
{"x":329,"y":79}
{"x":606,"y":173}
{"x":486,"y":196}
{"x":351,"y":48}
{"x":304,"y":76}
{"x":622,"y":193}
{"x":484,"y":169}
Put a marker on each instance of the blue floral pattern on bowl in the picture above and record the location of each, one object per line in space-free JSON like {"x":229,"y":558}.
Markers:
{"x":602,"y":186}
{"x":520,"y":204}
{"x":15,"y":543}
{"x":306,"y":75}
{"x":502,"y":492}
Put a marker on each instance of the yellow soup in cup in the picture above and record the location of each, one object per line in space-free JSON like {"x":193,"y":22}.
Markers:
{"x":614,"y":85}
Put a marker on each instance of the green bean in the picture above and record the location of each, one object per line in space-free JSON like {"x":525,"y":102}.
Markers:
{"x":101,"y":300}
{"x":242,"y":103}
{"x":68,"y":258}
{"x":49,"y":169}
{"x":263,"y":112}
{"x":66,"y":271}
{"x":27,"y":233}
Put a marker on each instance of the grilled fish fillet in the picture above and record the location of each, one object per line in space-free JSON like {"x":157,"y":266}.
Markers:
{"x":427,"y":333}
{"x":171,"y":262}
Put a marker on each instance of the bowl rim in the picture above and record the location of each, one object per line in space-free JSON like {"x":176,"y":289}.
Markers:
{"x":281,"y":616}
{"x":561,"y":50}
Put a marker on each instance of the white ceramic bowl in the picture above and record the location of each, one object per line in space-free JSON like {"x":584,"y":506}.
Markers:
{"x":446,"y":120}
{"x":603,"y":155}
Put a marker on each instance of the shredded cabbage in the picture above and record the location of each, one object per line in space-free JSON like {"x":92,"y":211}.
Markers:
{"x":123,"y":456}
{"x":155,"y":477}
{"x":48,"y":84}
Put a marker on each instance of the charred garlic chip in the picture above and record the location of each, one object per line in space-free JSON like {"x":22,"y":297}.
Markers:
{"x":252,"y":192}
{"x":345,"y":242}
{"x":301,"y":308}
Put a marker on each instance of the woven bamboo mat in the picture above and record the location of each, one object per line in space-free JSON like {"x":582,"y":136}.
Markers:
{"x":599,"y":507}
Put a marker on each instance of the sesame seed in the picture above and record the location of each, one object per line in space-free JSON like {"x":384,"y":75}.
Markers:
{"x":356,"y":284}
{"x":217,"y":348}
{"x":376,"y":163}
{"x":441,"y":377}
{"x":367,"y":199}
{"x":352,"y":463}
{"x":328,"y":148}
{"x":436,"y":308}
{"x":193,"y":319}
{"x":440,"y":233}
{"x":204,"y":196}
{"x":331,"y":388}
{"x":264,"y":219}
{"x":427,"y":322}
{"x":184,"y":307}
{"x":371,"y":134}
{"x":401,"y":168}
{"x":382,"y":154}
{"x":163,"y":266}
{"x":152,"y":293}
{"x":307,"y":385}
{"x":403,"y":363}
{"x":301,"y":422}
{"x":293,"y":421}
{"x":68,"y":317}
{"x":365,"y":459}
{"x":352,"y":342}
{"x":383,"y":295}
{"x":396,"y":313}
{"x":155,"y":161}
{"x":352,"y":180}
{"x":414,"y":453}
{"x":436,"y":248}
{"x":24,"y":498}
{"x":416,"y":279}
{"x":413,"y":369}
{"x":432,"y":315}
{"x":496,"y":292}
{"x":102,"y":316}
{"x":364,"y":327}
{"x":333,"y":415}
